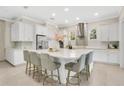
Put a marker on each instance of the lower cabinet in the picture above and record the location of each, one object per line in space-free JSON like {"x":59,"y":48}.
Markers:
{"x":15,"y":56}
{"x":113,"y":57}
{"x":106,"y":56}
{"x":100,"y":56}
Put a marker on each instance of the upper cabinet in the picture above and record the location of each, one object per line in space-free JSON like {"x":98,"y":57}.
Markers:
{"x":114,"y":32}
{"x":21,"y":31}
{"x":41,"y":30}
{"x":109,"y":32}
{"x":104,"y":32}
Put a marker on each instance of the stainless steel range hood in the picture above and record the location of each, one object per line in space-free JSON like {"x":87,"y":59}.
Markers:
{"x":82,"y":39}
{"x":80,"y":28}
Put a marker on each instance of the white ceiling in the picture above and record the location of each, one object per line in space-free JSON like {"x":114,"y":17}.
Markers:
{"x":85,"y":13}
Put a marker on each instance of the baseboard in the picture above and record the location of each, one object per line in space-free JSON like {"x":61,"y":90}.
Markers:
{"x":106,"y":63}
{"x":15,"y":64}
{"x":9,"y":63}
{"x":2,"y":60}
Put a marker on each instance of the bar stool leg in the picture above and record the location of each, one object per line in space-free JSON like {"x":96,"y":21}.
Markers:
{"x":58,"y":76}
{"x":29,"y":69}
{"x":26,"y":67}
{"x":78,"y":75}
{"x":45,"y":77}
{"x":87,"y":71}
{"x":67,"y":80}
{"x":33,"y":71}
{"x":39,"y":74}
{"x":52,"y":74}
{"x":45,"y":72}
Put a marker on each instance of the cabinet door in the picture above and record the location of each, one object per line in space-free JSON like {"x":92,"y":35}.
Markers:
{"x":104,"y":29}
{"x":41,"y":30}
{"x":15,"y":32}
{"x":12,"y":33}
{"x":18,"y":57}
{"x":114,"y":32}
{"x":21,"y":31}
{"x":113,"y":57}
{"x":100,"y":56}
{"x":28,"y":32}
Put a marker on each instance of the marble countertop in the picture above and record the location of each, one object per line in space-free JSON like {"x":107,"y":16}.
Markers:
{"x":65,"y":53}
{"x":92,"y":47}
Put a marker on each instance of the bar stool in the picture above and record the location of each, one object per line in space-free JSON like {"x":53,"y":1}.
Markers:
{"x":77,"y":67}
{"x":49,"y":65}
{"x":89,"y":60}
{"x":36,"y":62}
{"x":27,"y":59}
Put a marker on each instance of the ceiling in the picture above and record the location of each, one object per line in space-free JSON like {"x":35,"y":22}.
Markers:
{"x":84,"y":13}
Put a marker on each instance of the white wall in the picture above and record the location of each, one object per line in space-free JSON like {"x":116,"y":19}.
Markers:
{"x":2,"y":40}
{"x":52,"y":30}
{"x":66,"y":32}
{"x":8,"y":43}
{"x":121,"y":24}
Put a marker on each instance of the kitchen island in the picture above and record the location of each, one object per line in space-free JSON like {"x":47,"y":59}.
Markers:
{"x":65,"y":56}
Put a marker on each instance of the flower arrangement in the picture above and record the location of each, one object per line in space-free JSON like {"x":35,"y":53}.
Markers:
{"x":58,"y":37}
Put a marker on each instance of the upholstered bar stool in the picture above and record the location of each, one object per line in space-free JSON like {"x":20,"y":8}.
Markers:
{"x":36,"y":62}
{"x":77,"y":67}
{"x":89,"y":59}
{"x":49,"y":65}
{"x":27,"y":59}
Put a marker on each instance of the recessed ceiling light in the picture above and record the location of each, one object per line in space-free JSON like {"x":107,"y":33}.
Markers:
{"x":53,"y":14}
{"x":66,"y":21}
{"x":77,"y":18}
{"x":66,"y":9}
{"x":96,"y":14}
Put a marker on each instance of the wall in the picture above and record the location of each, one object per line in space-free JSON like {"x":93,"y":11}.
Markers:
{"x":8,"y":43}
{"x":67,"y":32}
{"x":2,"y":40}
{"x":52,"y":30}
{"x":95,"y":25}
{"x":5,"y":37}
{"x":77,"y":41}
{"x":121,"y":25}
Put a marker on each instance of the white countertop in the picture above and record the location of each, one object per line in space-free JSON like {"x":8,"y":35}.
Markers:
{"x":94,"y":48}
{"x":65,"y":53}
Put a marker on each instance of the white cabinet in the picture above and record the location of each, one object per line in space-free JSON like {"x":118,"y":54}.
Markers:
{"x":106,"y":56}
{"x":100,"y":56}
{"x":29,"y":32}
{"x":109,"y":32}
{"x":14,"y":32}
{"x":41,"y":30}
{"x":14,"y":56}
{"x":114,"y":32}
{"x":113,"y":57}
{"x":22,"y":31}
{"x":104,"y":29}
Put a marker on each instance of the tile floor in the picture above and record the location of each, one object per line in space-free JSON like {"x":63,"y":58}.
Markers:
{"x":102,"y":75}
